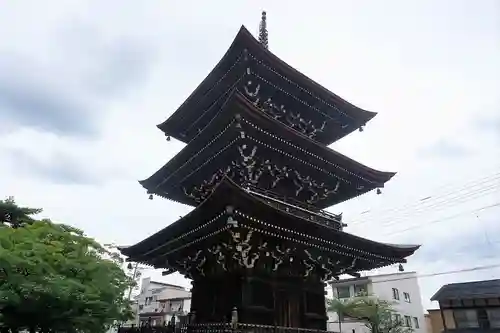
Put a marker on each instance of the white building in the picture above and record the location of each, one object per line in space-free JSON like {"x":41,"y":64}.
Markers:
{"x":401,"y":289}
{"x":158,"y":302}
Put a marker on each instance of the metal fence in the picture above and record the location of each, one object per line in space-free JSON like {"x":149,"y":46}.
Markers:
{"x":218,"y":328}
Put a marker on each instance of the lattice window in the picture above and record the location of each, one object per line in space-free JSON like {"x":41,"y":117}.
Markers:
{"x":466,"y":318}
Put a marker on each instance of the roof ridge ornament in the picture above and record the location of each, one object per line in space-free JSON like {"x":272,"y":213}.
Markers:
{"x":263,"y":35}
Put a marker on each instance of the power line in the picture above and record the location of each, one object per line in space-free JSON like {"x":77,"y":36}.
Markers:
{"x":470,"y":247}
{"x":432,"y":198}
{"x":420,"y":276}
{"x":397,"y":219}
{"x":460,"y":197}
{"x":454,"y":190}
{"x":444,"y":219}
{"x":420,"y":225}
{"x":413,"y":215}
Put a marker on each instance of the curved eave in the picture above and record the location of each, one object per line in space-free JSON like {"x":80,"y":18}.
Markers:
{"x":244,"y":39}
{"x":213,"y":204}
{"x":204,"y":85}
{"x":236,"y":101}
{"x":358,"y":113}
{"x":265,"y":209}
{"x":309,"y":144}
{"x":320,"y":229}
{"x":404,"y":246}
{"x":229,"y":193}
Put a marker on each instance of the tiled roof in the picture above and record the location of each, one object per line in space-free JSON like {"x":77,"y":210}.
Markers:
{"x":468,"y":290}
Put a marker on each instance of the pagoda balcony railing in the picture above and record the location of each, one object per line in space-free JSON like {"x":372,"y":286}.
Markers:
{"x":217,"y":328}
{"x":298,"y":209}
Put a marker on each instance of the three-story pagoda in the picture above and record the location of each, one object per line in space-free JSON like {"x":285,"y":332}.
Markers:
{"x":258,"y":171}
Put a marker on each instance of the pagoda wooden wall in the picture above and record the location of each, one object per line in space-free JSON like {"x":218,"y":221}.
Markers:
{"x":213,"y":298}
{"x":264,"y":300}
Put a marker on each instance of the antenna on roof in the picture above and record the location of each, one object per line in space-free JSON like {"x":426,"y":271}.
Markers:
{"x":263,"y":35}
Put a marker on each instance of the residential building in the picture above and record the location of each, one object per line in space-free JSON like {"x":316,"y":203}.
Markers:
{"x":401,"y":289}
{"x":470,"y":306}
{"x":158,"y":302}
{"x":434,"y":321}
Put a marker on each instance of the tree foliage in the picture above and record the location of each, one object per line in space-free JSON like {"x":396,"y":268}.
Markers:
{"x":13,"y":215}
{"x":54,"y":278}
{"x":378,"y":315}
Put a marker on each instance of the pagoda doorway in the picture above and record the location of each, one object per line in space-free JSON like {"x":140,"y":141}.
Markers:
{"x":287,"y":305}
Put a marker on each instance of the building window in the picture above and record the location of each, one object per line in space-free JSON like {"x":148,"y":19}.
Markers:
{"x":466,"y":318}
{"x":343,"y":292}
{"x":360,"y":289}
{"x":395,"y":294}
{"x":407,"y":321}
{"x":397,"y":318}
{"x":494,"y":317}
{"x":415,"y":322}
{"x":407,"y":297}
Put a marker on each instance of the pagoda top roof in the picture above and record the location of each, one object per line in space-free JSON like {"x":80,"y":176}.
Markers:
{"x":229,"y":194}
{"x":358,"y":177}
{"x":244,"y":42}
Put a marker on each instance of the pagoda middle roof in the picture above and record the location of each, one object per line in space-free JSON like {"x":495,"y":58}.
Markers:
{"x":238,"y":121}
{"x":349,"y":116}
{"x":211,"y":214}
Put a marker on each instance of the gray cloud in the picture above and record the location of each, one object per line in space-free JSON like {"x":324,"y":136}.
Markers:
{"x":489,"y":124}
{"x":26,"y":100}
{"x":108,"y":66}
{"x":66,"y":95}
{"x":445,"y":149}
{"x":467,"y":244}
{"x":59,"y":169}
{"x":124,"y":65}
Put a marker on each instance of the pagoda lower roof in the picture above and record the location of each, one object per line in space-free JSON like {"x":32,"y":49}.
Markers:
{"x":240,"y":130}
{"x":230,"y":206}
{"x":244,"y":45}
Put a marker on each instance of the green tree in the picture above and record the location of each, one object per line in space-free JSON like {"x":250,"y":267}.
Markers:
{"x":55,"y":279}
{"x":378,"y":315}
{"x":15,"y":216}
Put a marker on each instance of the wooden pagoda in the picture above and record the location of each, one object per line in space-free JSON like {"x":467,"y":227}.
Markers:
{"x":258,"y":171}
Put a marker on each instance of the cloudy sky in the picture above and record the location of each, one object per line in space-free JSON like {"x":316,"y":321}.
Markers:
{"x":83,"y":84}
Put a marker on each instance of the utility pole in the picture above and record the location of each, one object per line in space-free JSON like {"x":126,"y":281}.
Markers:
{"x":133,"y":277}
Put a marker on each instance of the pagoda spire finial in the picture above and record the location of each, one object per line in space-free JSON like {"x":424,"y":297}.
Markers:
{"x":263,"y":35}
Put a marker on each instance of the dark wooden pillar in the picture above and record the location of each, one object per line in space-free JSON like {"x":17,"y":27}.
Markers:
{"x":214,"y":297}
{"x":445,"y":329}
{"x":289,"y":307}
{"x":261,"y":299}
{"x":315,"y":316}
{"x":257,"y":305}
